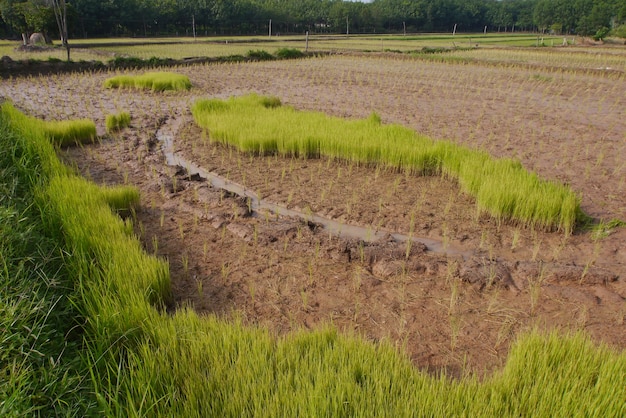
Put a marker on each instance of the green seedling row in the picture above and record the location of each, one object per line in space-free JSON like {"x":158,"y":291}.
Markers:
{"x":116,"y":122}
{"x":502,"y":187}
{"x":155,"y":81}
{"x":59,"y":132}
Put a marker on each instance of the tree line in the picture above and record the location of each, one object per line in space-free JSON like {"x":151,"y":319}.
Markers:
{"x":97,"y":18}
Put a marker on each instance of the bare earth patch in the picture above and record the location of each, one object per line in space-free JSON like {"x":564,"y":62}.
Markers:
{"x":447,"y":311}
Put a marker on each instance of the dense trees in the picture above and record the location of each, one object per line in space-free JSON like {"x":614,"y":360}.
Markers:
{"x":151,"y":17}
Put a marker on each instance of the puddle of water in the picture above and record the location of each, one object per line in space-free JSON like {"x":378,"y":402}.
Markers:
{"x":258,"y":205}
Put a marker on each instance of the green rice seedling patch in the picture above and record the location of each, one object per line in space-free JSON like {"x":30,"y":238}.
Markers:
{"x":116,"y":122}
{"x":70,"y":132}
{"x":155,"y":81}
{"x":502,"y":187}
{"x":62,"y":133}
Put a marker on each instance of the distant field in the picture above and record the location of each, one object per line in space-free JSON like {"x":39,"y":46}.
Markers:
{"x":240,"y":45}
{"x":7,"y":48}
{"x":178,"y":48}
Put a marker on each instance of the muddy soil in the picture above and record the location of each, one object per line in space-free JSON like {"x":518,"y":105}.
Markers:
{"x":456,"y":311}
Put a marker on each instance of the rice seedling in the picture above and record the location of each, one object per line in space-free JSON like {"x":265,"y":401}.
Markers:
{"x":505,"y":332}
{"x":515,"y":238}
{"x":205,"y":251}
{"x":582,"y":316}
{"x":454,"y":296}
{"x":311,"y":272}
{"x":534,"y":289}
{"x":536,"y":249}
{"x":592,"y":260}
{"x":155,"y":81}
{"x":605,"y":228}
{"x":255,"y":235}
{"x":225,"y":271}
{"x":185,"y":263}
{"x":116,"y":122}
{"x":199,"y":287}
{"x":304,"y":297}
{"x":361,"y":252}
{"x":501,"y":187}
{"x":456,"y":323}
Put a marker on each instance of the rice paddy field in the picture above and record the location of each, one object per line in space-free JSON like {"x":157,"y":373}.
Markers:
{"x":218,"y":257}
{"x":185,"y":47}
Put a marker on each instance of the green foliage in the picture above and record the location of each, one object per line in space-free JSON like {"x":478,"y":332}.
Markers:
{"x":134,"y":62}
{"x":115,"y":122}
{"x":502,"y":187}
{"x":289,"y":53}
{"x":259,"y":54}
{"x":26,"y":16}
{"x":619,"y":31}
{"x":155,"y":81}
{"x":237,"y":17}
{"x":601,"y":33}
{"x":429,"y":50}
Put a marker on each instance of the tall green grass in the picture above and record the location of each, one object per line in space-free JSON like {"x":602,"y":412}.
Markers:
{"x":142,"y":361}
{"x":155,"y":81}
{"x":502,"y":187}
{"x":41,"y":369}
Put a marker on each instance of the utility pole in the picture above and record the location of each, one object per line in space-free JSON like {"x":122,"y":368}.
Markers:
{"x":347,"y":26}
{"x":193,"y":26}
{"x":270,"y":33}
